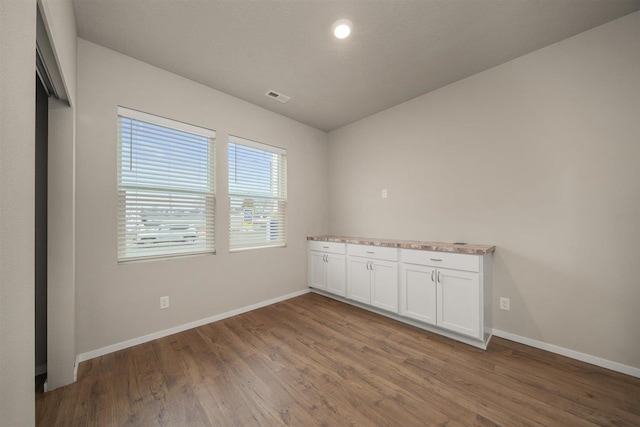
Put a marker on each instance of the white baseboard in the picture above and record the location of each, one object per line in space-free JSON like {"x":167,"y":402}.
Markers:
{"x":604,"y":363}
{"x":146,"y":338}
{"x":41,"y":369}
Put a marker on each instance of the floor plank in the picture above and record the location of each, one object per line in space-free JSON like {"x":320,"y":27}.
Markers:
{"x":315,"y":361}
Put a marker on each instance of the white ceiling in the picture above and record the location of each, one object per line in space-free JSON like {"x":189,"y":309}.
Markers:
{"x":399,"y":49}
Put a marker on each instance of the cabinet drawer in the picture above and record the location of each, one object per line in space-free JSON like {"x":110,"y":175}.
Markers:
{"x":333,"y":247}
{"x":377,"y":252}
{"x":451,"y":260}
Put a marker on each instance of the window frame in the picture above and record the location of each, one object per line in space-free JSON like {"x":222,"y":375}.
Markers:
{"x":207,"y":242}
{"x":282,"y":199}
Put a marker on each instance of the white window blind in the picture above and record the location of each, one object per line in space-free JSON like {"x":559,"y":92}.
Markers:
{"x":166,"y":188}
{"x":257,"y":195}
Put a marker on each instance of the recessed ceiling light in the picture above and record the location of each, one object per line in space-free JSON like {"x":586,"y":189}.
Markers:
{"x":342,"y":28}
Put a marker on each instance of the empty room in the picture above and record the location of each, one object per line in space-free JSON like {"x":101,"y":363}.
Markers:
{"x":319,"y":212}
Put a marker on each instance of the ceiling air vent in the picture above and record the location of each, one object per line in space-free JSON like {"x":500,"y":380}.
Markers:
{"x":277,"y":96}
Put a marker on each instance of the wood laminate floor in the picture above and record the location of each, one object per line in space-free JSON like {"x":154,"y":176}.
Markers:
{"x":315,"y":361}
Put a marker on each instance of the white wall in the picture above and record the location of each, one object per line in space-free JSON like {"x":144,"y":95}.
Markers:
{"x":120,"y":302}
{"x":17,"y":166}
{"x":538,"y":156}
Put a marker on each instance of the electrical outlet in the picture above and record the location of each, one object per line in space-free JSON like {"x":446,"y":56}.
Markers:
{"x":384,"y":193}
{"x":164,"y":302}
{"x":505,"y":304}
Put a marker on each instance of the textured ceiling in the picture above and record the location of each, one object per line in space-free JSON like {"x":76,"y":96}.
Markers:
{"x":399,"y":49}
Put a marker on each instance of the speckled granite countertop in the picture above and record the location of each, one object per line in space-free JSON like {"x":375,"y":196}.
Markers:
{"x":466,"y":248}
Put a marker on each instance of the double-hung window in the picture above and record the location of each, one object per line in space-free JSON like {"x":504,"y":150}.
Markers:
{"x":257,"y":195}
{"x":166,"y":187}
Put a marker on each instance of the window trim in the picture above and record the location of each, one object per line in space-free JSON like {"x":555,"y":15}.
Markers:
{"x":131,"y":114}
{"x":233,"y":139}
{"x":238,"y":140}
{"x":165,"y":122}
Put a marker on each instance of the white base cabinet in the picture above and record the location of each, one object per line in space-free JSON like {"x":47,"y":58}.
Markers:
{"x":359,"y":279}
{"x":449,"y":299}
{"x":384,"y":285}
{"x":373,"y":282}
{"x":448,"y":290}
{"x":336,"y":276}
{"x":372,"y":276}
{"x":418,"y":292}
{"x":444,"y":292}
{"x":458,"y":298}
{"x":327,"y":267}
{"x":317,"y":270}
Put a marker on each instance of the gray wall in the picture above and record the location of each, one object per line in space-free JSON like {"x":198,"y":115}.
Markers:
{"x":17,"y":133}
{"x":116,"y":302}
{"x":538,"y":156}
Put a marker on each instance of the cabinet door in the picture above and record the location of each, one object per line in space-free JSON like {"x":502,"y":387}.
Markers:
{"x":384,"y":285}
{"x":418,"y":292}
{"x":317,"y":270}
{"x":459,"y":301}
{"x":358,"y":280}
{"x":337,"y":274}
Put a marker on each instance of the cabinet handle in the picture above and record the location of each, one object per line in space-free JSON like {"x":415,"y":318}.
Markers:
{"x":435,"y":259}
{"x":326,"y":247}
{"x":439,"y":278}
{"x":370,"y":252}
{"x":326,"y":258}
{"x":371,"y":264}
{"x":368,"y":265}
{"x":432,"y":272}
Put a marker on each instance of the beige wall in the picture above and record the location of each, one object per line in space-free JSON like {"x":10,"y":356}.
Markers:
{"x":17,"y":160}
{"x":538,"y":156}
{"x":120,"y":302}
